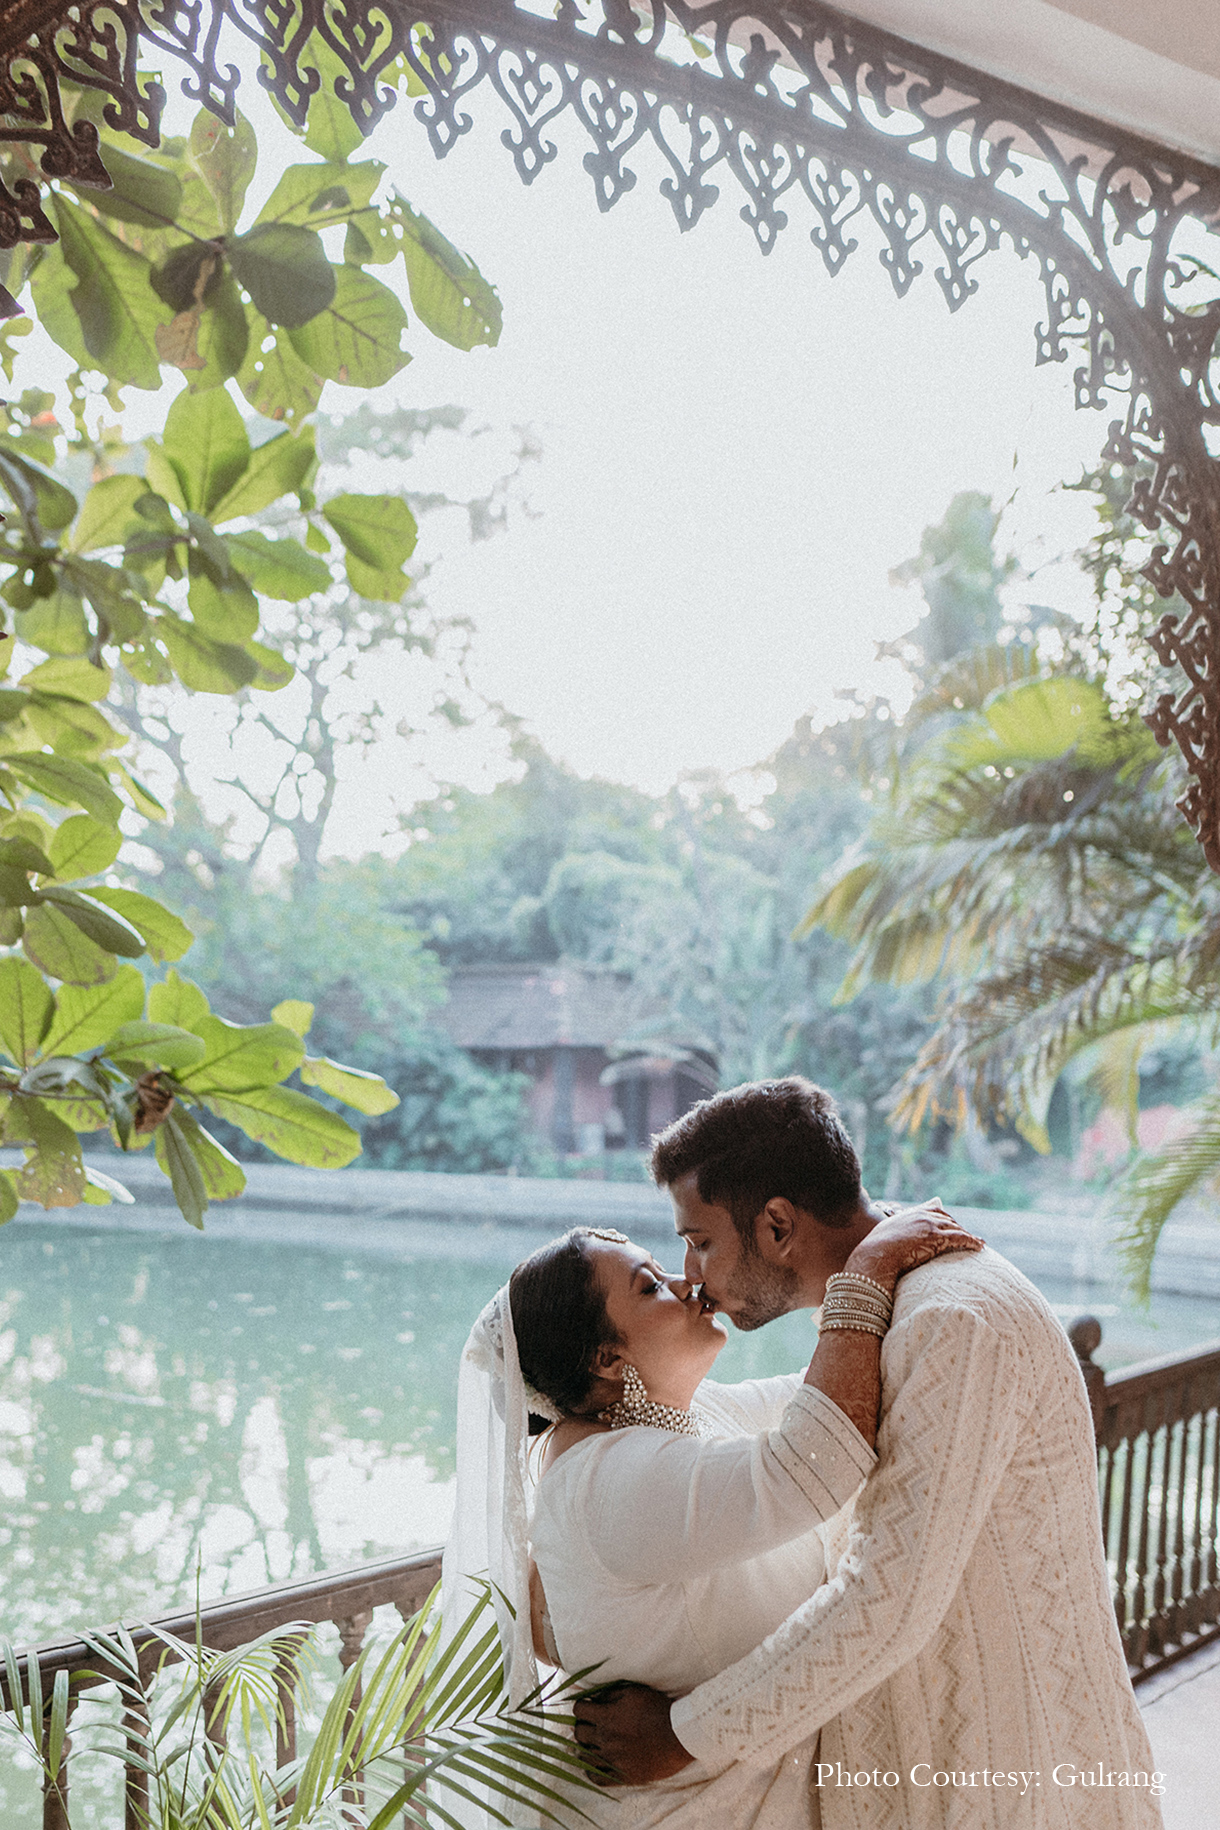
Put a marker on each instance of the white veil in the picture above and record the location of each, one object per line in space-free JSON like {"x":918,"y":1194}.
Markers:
{"x":489,"y":1537}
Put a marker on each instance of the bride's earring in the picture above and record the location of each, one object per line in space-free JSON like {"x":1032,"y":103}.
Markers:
{"x":635,"y":1406}
{"x":632,"y":1407}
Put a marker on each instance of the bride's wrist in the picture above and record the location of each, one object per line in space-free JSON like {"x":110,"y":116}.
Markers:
{"x":875,"y":1263}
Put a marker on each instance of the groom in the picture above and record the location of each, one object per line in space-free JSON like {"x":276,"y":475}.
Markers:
{"x":963,"y":1663}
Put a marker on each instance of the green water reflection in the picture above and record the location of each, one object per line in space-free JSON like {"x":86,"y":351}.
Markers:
{"x":263,"y":1410}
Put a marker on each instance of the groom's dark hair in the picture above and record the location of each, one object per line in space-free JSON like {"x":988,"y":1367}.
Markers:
{"x":767,"y":1138}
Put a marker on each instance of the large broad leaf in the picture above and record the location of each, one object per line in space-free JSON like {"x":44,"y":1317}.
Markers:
{"x":368,"y":1093}
{"x":18,"y":853}
{"x":357,"y":339}
{"x":222,"y":337}
{"x":117,"y":308}
{"x":379,"y":530}
{"x":55,"y":624}
{"x":291,"y":1124}
{"x":223,"y":1176}
{"x":109,"y":515}
{"x":285,"y":270}
{"x":177,"y":1001}
{"x":317,"y":196}
{"x":242,"y":1055}
{"x":140,"y":191}
{"x":188,"y":275}
{"x":51,"y":287}
{"x":275,"y":671}
{"x":277,"y":568}
{"x":26,"y":1010}
{"x":117,"y":593}
{"x":161,"y":1043}
{"x":83,"y":846}
{"x":226,"y":157}
{"x":206,"y":443}
{"x":448,"y":292}
{"x":330,"y":128}
{"x":71,"y":727}
{"x":1038,"y":721}
{"x":87,"y":1015}
{"x":69,"y":677}
{"x":284,"y":464}
{"x":54,"y":1174}
{"x":204,"y":666}
{"x":224,"y":613}
{"x":295,"y":1014}
{"x":60,"y":948}
{"x":34,"y":489}
{"x":177,"y":1159}
{"x":165,"y":937}
{"x":69,"y":783}
{"x":274,"y":378}
{"x":9,"y":1202}
{"x":105,"y":926}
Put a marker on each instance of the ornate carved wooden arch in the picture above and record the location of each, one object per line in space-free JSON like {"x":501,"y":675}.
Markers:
{"x":802,"y":107}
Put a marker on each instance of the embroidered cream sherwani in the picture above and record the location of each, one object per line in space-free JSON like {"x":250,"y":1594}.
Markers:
{"x":969,"y":1630}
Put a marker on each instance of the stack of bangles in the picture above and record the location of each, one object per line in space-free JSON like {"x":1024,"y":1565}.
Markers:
{"x":860,"y":1304}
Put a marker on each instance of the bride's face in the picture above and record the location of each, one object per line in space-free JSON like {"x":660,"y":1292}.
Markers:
{"x":665,"y":1330}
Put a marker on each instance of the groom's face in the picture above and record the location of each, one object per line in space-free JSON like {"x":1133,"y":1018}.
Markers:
{"x":738,"y":1277}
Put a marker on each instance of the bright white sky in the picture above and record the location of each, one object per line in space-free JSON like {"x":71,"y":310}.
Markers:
{"x":735,"y":451}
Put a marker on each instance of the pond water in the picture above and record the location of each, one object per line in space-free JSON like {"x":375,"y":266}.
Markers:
{"x":172,"y":1402}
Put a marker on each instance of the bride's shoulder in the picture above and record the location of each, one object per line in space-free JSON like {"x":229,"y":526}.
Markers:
{"x":565,"y":1435}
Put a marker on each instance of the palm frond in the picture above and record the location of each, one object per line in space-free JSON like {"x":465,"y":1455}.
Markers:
{"x":1146,"y":1196}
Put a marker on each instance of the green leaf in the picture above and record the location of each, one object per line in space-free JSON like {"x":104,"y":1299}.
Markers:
{"x":26,"y":1010}
{"x":116,"y":593}
{"x":162,"y":476}
{"x":178,"y":1160}
{"x":15,"y":890}
{"x":55,"y":624}
{"x":1037,"y":721}
{"x":189,"y":275}
{"x":66,"y":782}
{"x":117,"y":308}
{"x":316,"y":196}
{"x":82,"y":847}
{"x":331,"y":128}
{"x":357,"y":339}
{"x":107,"y":927}
{"x":143,"y":799}
{"x":108,"y":514}
{"x":223,"y":337}
{"x":69,"y":677}
{"x":8,"y":1196}
{"x":21,"y":854}
{"x":86,"y":1015}
{"x":165,"y":937}
{"x":368,"y":1093}
{"x":276,"y":469}
{"x":177,"y":1000}
{"x":72,"y":728}
{"x":30,"y":485}
{"x":380,"y":587}
{"x":242,"y":1055}
{"x":277,"y":568}
{"x":379,"y":530}
{"x":204,"y":666}
{"x":54,"y":1174}
{"x":275,"y":671}
{"x":58,"y":946}
{"x":226,"y":158}
{"x":291,"y":1124}
{"x":140,"y":192}
{"x":223,"y":1176}
{"x":295,"y":1015}
{"x":163,"y":1043}
{"x":223,"y":613}
{"x":51,"y":287}
{"x":448,"y":292}
{"x":273,"y":378}
{"x":206,"y":443}
{"x":285,"y":270}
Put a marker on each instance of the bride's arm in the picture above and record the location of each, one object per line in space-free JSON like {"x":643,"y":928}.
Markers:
{"x":846,"y":1365}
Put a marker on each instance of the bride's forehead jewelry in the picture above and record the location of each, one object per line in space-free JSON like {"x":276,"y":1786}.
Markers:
{"x":608,"y":1233}
{"x":636,"y":1407}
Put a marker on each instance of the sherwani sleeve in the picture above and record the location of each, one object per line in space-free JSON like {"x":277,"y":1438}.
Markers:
{"x":657,"y":1507}
{"x":957,"y":1389}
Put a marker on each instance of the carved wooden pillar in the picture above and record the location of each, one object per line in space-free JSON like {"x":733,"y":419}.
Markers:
{"x":352,"y":1630}
{"x":1085,"y":1336}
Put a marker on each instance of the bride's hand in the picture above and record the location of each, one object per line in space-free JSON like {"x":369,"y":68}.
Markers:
{"x":908,"y":1239}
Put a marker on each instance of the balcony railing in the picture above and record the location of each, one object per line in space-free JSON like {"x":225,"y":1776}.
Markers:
{"x":1158,"y":1436}
{"x":1158,"y":1451}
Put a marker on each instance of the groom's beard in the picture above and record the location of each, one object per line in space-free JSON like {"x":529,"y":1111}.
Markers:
{"x":763,"y":1292}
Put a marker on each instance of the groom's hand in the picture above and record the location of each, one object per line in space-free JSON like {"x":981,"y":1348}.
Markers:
{"x":626,"y":1730}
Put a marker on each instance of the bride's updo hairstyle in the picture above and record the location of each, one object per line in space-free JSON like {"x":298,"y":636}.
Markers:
{"x":560,"y":1320}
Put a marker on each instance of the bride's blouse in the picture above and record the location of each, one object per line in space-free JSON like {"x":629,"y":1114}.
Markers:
{"x":665,"y":1558}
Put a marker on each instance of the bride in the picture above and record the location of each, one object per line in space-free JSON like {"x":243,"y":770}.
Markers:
{"x":668,"y":1524}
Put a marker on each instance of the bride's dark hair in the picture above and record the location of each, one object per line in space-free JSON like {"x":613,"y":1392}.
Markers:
{"x":560,"y":1320}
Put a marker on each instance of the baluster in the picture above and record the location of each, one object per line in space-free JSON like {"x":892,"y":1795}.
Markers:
{"x":1085,"y":1336}
{"x":135,"y":1779}
{"x":55,"y":1785}
{"x":351,"y":1636}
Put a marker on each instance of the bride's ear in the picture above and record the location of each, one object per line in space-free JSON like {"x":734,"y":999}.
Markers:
{"x":608,"y":1363}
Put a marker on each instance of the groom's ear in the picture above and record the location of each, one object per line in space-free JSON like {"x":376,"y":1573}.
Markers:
{"x":777,"y":1227}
